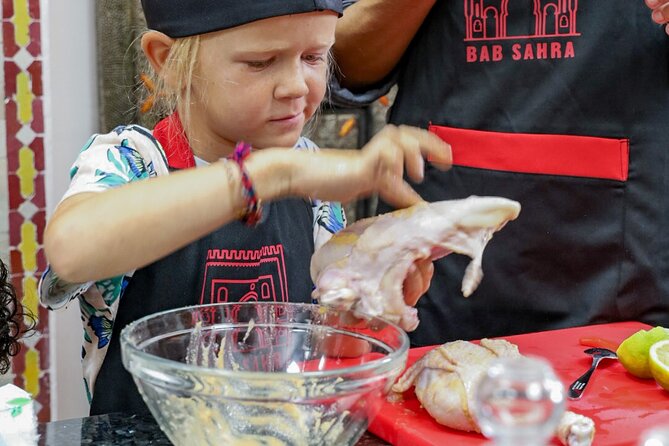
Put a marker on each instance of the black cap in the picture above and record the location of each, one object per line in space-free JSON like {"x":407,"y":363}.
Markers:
{"x":181,"y":18}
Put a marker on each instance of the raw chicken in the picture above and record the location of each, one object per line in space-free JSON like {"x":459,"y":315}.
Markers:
{"x":445,"y":379}
{"x":364,"y":266}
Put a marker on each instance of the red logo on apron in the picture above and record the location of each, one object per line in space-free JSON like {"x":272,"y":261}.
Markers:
{"x":247,"y":285}
{"x":487,"y":21}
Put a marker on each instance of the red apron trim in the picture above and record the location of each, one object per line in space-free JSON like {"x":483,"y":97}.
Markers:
{"x":171,"y":136}
{"x":571,"y":155}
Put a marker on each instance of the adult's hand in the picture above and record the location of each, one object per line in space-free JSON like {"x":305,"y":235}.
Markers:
{"x":415,"y":285}
{"x":418,"y":281}
{"x":660,"y":11}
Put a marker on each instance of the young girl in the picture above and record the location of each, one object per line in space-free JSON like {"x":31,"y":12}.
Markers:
{"x":15,"y":320}
{"x":140,"y":230}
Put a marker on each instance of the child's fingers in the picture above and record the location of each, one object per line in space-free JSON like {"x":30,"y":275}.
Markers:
{"x":432,"y":147}
{"x":397,"y":192}
{"x":413,"y":158}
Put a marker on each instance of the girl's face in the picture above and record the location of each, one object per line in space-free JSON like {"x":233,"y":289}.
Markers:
{"x":260,"y":82}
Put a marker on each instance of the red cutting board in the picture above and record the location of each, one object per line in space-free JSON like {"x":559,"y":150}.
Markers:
{"x":621,"y":406}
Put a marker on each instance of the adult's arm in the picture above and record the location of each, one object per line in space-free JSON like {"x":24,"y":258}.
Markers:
{"x":372,"y":36}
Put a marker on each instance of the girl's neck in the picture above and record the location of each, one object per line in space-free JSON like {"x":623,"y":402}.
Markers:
{"x":208,"y":149}
{"x":203,"y":143}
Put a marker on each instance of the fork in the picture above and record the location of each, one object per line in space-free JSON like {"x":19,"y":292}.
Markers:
{"x":577,"y":387}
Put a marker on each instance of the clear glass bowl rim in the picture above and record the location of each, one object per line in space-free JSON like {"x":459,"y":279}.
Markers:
{"x":134,"y":353}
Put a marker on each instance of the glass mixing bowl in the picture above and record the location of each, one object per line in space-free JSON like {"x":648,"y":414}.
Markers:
{"x":263,"y":373}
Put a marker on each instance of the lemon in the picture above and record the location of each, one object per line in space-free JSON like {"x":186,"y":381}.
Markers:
{"x":658,"y":361}
{"x":633,"y":351}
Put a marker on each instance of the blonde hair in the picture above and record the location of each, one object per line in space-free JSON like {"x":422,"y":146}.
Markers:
{"x":312,"y":124}
{"x":171,"y":89}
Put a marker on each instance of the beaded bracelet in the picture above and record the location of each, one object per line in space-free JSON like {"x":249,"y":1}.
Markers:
{"x":252,"y":212}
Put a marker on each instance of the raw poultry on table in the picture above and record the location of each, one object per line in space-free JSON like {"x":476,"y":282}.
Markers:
{"x":445,"y":379}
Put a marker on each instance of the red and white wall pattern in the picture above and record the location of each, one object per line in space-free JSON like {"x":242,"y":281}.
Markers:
{"x":24,"y":116}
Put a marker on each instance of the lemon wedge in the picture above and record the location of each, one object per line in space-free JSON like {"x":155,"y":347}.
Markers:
{"x":658,"y":361}
{"x":633,"y":351}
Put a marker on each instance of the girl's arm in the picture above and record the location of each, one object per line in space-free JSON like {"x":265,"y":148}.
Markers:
{"x":97,"y":235}
{"x":372,"y":36}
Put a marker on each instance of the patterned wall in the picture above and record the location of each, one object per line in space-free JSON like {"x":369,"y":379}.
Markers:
{"x":24,"y":116}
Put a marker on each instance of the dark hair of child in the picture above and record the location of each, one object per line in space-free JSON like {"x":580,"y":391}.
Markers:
{"x":15,"y":320}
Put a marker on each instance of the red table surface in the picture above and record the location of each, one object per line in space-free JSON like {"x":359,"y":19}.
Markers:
{"x":621,"y":406}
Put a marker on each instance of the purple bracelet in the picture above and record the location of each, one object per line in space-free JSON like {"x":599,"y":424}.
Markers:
{"x":252,"y":212}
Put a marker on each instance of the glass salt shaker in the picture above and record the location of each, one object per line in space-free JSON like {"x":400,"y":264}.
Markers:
{"x":657,"y":436}
{"x":519,"y":401}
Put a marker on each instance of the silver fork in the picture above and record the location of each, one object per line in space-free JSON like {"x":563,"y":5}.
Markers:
{"x":577,"y":387}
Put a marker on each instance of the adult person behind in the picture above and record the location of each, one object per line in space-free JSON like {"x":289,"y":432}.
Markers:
{"x":15,"y":322}
{"x":561,"y":105}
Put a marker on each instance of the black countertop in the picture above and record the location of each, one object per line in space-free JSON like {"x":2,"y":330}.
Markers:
{"x":118,"y":429}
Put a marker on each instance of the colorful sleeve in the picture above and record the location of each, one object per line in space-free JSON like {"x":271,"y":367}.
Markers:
{"x":329,"y":216}
{"x":126,"y":154}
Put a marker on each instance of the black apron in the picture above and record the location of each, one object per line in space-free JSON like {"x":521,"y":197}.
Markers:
{"x":268,"y":263}
{"x":592,"y":239}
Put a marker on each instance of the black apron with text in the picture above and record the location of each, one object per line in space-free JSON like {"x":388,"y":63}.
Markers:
{"x":268,"y":263}
{"x":563,"y":106}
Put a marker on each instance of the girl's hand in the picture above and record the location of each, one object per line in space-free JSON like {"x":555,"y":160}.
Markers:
{"x":344,"y":175}
{"x":393,"y":148}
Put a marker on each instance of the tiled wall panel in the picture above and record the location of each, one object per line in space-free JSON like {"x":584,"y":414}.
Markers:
{"x":24,"y":142}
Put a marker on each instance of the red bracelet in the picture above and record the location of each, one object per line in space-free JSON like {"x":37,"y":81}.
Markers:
{"x":252,"y":212}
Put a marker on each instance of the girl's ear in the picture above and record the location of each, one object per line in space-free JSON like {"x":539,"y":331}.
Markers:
{"x":156,"y":47}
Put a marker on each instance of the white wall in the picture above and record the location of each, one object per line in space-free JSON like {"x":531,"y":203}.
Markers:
{"x":4,"y":187}
{"x":71,"y":109}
